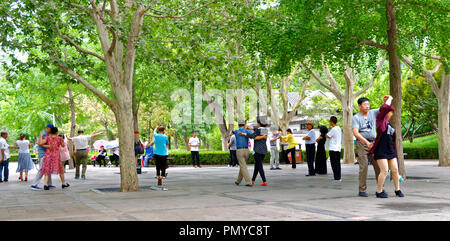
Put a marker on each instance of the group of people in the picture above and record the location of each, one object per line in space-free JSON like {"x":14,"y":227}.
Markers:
{"x":53,"y":156}
{"x":103,"y":158}
{"x":375,"y":140}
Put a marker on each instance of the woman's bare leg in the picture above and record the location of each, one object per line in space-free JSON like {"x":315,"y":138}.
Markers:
{"x":46,"y":180}
{"x":393,"y":165}
{"x":383,"y":165}
{"x":61,"y":175}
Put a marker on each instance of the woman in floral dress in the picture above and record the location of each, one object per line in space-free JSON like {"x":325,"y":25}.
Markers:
{"x":52,"y":159}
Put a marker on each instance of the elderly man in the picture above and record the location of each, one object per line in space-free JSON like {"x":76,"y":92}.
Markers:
{"x":310,"y":143}
{"x":81,"y":143}
{"x":4,"y":159}
{"x":364,"y":129}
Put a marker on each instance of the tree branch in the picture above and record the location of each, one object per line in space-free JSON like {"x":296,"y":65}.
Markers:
{"x":71,"y":41}
{"x":377,"y":71}
{"x":373,"y":43}
{"x":181,"y":16}
{"x":428,"y":74}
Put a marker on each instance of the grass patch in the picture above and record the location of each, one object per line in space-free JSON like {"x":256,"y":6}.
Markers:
{"x":430,"y":141}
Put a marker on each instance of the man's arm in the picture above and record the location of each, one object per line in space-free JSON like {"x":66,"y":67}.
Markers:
{"x":361,"y":138}
{"x":96,"y":134}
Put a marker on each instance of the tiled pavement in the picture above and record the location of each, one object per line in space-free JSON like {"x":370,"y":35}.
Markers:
{"x":209,"y":193}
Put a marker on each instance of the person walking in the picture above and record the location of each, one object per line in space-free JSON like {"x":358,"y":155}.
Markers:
{"x":5,"y":156}
{"x":335,"y":136}
{"x":310,"y":143}
{"x":364,"y":129}
{"x":321,"y":155}
{"x":242,"y":139}
{"x":289,"y":139}
{"x":194,"y":144}
{"x":161,"y":152}
{"x":232,"y":147}
{"x":64,"y":154}
{"x":52,"y":160}
{"x":41,"y":154}
{"x":274,"y":154}
{"x":260,"y":150}
{"x":24,"y":162}
{"x":384,"y":150}
{"x":81,"y":145}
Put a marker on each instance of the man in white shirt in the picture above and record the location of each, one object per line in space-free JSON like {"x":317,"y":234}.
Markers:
{"x":81,"y":144}
{"x":4,"y":158}
{"x":194,"y":144}
{"x":310,"y":143}
{"x":335,"y":135}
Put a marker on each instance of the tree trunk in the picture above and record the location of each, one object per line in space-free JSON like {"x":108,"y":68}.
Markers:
{"x":349,"y":149}
{"x":72,"y":120}
{"x":175,"y":140}
{"x":128,"y":177}
{"x":105,"y":125}
{"x":135,"y":105}
{"x":443,"y":120}
{"x":204,"y":143}
{"x":395,"y":83}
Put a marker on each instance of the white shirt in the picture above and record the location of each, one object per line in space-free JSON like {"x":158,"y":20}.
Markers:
{"x":335,"y":139}
{"x":116,"y":150}
{"x":24,"y":146}
{"x":194,"y":141}
{"x":81,"y":142}
{"x":312,"y":135}
{"x":4,"y":146}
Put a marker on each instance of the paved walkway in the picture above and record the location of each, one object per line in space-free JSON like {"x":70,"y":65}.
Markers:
{"x":209,"y":193}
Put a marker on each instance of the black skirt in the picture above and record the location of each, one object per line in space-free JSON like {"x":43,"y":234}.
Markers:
{"x":321,"y":158}
{"x":385,"y":147}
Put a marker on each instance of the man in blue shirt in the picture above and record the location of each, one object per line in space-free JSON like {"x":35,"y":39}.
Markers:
{"x":242,"y":153}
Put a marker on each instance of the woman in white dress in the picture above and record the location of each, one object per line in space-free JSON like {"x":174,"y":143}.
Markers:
{"x":24,"y":160}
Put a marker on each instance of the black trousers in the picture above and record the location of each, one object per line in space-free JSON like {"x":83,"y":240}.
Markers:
{"x":310,"y":156}
{"x":335,"y":160}
{"x":195,"y":155}
{"x":100,"y":159}
{"x":161,"y":164}
{"x":233,"y":158}
{"x":114,"y":158}
{"x":286,"y":153}
{"x":259,"y":167}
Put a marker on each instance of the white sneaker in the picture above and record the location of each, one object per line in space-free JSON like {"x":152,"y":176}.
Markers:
{"x":340,"y":180}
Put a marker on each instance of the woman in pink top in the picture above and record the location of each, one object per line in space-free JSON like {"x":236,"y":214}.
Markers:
{"x":64,"y":153}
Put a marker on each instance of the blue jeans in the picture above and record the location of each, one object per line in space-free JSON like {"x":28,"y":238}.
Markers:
{"x":4,"y":164}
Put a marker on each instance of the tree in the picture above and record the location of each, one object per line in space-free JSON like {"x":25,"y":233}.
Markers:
{"x":442,"y":94}
{"x":346,"y":98}
{"x":113,"y":28}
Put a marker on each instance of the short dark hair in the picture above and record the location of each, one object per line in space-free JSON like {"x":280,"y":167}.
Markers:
{"x":261,"y":121}
{"x":333,"y":119}
{"x":289,"y":130}
{"x":362,"y":99}
{"x":323,"y":130}
{"x":161,"y":129}
{"x":3,"y":133}
{"x":53,"y":130}
{"x":80,"y":131}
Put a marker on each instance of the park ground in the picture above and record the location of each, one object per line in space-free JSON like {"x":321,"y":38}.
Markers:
{"x":209,"y":193}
